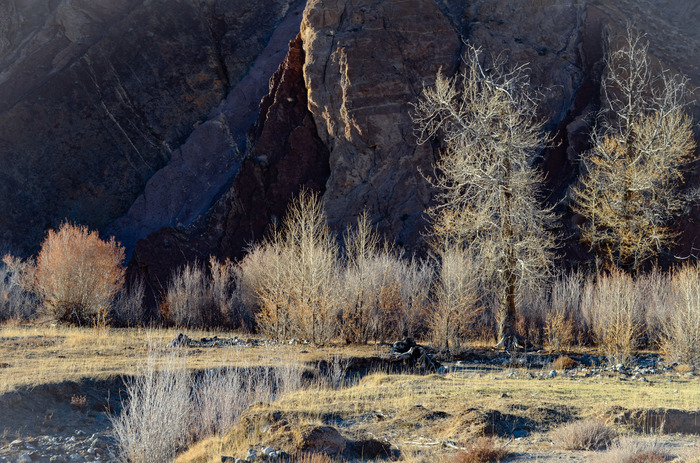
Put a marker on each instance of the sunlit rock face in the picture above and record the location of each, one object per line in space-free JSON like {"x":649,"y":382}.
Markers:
{"x":135,"y":116}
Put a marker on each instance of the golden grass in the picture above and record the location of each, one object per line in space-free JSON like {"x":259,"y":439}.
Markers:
{"x":42,"y":354}
{"x":400,"y":407}
{"x":403,"y":408}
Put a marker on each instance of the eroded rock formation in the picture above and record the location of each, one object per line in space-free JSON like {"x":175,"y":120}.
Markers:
{"x":287,"y":156}
{"x":96,"y":95}
{"x":137,"y":111}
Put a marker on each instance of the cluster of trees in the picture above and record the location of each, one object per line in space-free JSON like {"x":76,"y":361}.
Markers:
{"x":488,"y":183}
{"x":492,"y":240}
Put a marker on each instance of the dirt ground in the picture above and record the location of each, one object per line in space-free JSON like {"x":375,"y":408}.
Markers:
{"x":519,"y":400}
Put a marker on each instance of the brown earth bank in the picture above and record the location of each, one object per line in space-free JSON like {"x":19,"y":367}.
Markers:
{"x":133,"y":117}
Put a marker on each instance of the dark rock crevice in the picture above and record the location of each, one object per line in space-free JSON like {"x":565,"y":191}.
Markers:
{"x":287,"y":155}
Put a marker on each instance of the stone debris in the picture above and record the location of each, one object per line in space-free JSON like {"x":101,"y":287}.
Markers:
{"x":265,"y":454}
{"x":182,"y":340}
{"x":61,"y":448}
{"x":415,"y":355}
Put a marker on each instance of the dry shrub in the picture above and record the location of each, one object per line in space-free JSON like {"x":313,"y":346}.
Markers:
{"x":563,"y":320}
{"x":583,"y":435}
{"x":78,"y":274}
{"x":563,"y":363}
{"x":197,"y":298}
{"x":617,"y":316}
{"x":627,"y":450}
{"x":16,"y":301}
{"x":157,"y":417}
{"x":128,"y":308}
{"x":189,"y":299}
{"x":78,"y":402}
{"x":681,"y":327}
{"x":454,"y":305}
{"x":227,"y":295}
{"x":166,"y":407}
{"x":298,"y":284}
{"x":481,"y":450}
{"x":657,"y":296}
{"x":310,"y":458}
{"x":383,"y":295}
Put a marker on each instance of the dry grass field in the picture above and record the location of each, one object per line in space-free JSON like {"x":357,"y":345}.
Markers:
{"x":424,"y":417}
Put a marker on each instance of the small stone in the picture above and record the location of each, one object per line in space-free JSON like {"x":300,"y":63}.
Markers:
{"x":16,"y":443}
{"x":552,"y":373}
{"x":267,"y":451}
{"x":76,"y":457}
{"x":225,"y":459}
{"x":24,"y":458}
{"x":57,"y":459}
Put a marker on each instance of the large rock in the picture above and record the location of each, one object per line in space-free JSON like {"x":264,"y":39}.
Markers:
{"x":287,"y":156}
{"x":134,"y":113}
{"x":367,"y":61}
{"x":96,"y":95}
{"x":201,"y":169}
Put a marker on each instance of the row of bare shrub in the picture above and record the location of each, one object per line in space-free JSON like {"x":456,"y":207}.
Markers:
{"x":620,"y":313}
{"x":167,"y":407}
{"x":300,"y":284}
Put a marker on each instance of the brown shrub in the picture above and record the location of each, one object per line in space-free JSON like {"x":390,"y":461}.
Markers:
{"x":310,"y":458}
{"x":618,"y":316}
{"x":78,"y":274}
{"x":628,"y":450}
{"x":681,"y":326}
{"x":481,"y":450}
{"x":584,"y":435}
{"x":563,"y":363}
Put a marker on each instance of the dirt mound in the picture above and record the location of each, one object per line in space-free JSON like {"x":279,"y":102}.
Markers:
{"x":473,"y":422}
{"x":657,"y":420}
{"x":293,"y":433}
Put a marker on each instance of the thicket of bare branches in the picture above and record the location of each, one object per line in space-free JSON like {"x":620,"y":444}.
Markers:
{"x":16,"y":301}
{"x":681,"y":326}
{"x":485,"y":179}
{"x":298,"y":287}
{"x":199,"y":297}
{"x":455,"y":303}
{"x":384,"y":296}
{"x":629,"y":191}
{"x":77,"y":275}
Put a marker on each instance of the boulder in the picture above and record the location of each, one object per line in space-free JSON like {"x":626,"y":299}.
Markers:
{"x":321,"y":439}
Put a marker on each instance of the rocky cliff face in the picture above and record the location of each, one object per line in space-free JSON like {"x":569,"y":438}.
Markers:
{"x":148,"y":127}
{"x":97,"y":96}
{"x":287,"y":156}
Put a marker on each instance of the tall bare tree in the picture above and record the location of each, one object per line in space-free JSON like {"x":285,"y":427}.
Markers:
{"x":487,"y":184}
{"x":629,"y":191}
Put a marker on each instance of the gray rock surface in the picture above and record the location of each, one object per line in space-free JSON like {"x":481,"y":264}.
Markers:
{"x":96,"y":96}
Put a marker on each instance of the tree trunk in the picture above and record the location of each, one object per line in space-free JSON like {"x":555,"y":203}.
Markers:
{"x":508,"y":338}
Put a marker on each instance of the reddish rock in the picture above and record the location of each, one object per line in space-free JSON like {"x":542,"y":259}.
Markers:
{"x":286,"y":157}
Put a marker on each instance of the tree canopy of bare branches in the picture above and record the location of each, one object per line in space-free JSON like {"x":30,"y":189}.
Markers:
{"x":487,"y":186}
{"x":629,"y":191}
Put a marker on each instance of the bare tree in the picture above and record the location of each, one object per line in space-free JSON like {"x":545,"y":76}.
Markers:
{"x":629,"y":191}
{"x":487,"y":185}
{"x":298,"y":287}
